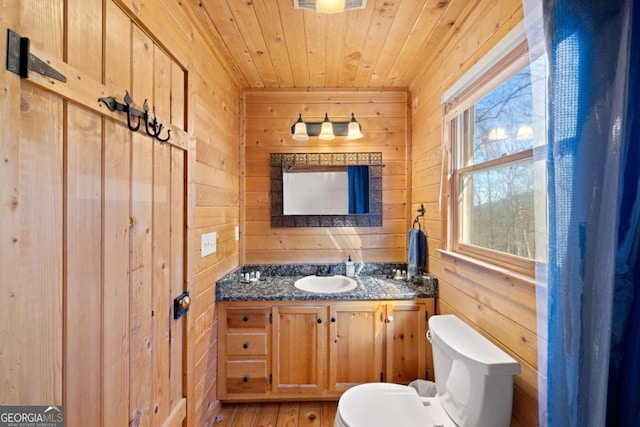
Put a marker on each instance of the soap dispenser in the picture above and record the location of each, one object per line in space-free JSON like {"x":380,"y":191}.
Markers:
{"x":350,"y":268}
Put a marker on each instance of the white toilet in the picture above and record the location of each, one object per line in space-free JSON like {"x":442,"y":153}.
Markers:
{"x":474,"y":379}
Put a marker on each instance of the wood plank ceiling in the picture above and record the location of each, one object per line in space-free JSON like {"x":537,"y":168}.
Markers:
{"x":270,"y":44}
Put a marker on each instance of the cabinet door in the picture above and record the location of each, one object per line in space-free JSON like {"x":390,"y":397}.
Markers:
{"x":406,"y":341}
{"x":299,"y":350}
{"x":355,"y":344}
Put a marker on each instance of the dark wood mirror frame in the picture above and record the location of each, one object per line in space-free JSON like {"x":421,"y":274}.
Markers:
{"x":283,"y":161}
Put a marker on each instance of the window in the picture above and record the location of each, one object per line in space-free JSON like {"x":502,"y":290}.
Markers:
{"x":496,"y":125}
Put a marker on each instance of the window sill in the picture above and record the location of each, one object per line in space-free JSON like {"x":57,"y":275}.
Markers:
{"x":492,"y":268}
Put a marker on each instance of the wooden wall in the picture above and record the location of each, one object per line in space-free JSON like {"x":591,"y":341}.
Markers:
{"x":499,"y":304}
{"x":269,"y":115}
{"x":79,"y":254}
{"x":217,"y":195}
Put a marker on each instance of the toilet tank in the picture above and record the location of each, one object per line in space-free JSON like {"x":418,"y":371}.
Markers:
{"x":474,"y":377}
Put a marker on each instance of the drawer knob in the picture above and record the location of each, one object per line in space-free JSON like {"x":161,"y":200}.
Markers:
{"x":333,"y":319}
{"x":245,"y":345}
{"x":319,"y":320}
{"x":245,"y":319}
{"x":245,"y":379}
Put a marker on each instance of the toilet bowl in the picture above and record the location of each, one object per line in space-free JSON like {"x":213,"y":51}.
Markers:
{"x":389,"y":405}
{"x":474,"y":379}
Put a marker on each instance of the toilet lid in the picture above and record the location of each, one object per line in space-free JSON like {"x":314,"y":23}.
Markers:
{"x":385,"y":404}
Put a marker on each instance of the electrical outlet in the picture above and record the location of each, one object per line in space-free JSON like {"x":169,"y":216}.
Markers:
{"x":208,"y":244}
{"x":237,"y":233}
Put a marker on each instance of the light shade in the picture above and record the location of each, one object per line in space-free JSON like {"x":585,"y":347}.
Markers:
{"x":496,"y":134}
{"x":326,"y":130}
{"x":525,"y":132}
{"x":354,"y":131}
{"x":330,"y":6}
{"x":300,"y":130}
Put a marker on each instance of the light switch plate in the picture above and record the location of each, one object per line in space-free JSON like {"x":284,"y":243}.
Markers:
{"x":237,"y":233}
{"x":208,"y":244}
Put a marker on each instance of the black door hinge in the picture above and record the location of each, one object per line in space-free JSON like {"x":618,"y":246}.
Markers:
{"x":20,"y":60}
{"x":270,"y":378}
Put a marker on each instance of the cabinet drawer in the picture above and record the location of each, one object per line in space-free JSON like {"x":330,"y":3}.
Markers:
{"x":247,"y":376}
{"x":250,"y":318}
{"x":247,"y":344}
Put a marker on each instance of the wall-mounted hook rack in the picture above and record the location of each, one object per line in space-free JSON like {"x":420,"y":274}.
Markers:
{"x":151,"y":125}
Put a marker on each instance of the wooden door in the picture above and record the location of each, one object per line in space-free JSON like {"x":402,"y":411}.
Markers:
{"x":299,"y":335}
{"x":406,"y":341}
{"x":355,"y":344}
{"x":93,"y":239}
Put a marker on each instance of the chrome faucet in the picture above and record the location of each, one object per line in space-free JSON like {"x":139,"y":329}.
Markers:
{"x":325,"y":270}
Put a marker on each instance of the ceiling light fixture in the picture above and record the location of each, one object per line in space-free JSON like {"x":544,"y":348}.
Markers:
{"x":330,"y":6}
{"x":326,"y":129}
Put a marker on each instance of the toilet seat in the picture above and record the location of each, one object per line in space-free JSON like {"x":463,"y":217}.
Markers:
{"x":386,"y":404}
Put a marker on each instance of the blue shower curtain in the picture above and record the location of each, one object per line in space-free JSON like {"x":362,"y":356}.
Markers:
{"x":358,"y":177}
{"x":590,"y":306}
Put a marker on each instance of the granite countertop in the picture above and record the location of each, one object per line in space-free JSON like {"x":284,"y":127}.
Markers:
{"x":281,"y":288}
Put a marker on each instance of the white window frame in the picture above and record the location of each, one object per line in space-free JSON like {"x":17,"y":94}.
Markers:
{"x":507,"y":58}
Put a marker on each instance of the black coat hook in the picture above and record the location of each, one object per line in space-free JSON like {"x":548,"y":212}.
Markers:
{"x":154,"y":130}
{"x":128,"y":101}
{"x":421,"y":212}
{"x":164,"y":139}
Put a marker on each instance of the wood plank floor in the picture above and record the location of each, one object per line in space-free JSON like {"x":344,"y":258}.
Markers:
{"x":285,"y":414}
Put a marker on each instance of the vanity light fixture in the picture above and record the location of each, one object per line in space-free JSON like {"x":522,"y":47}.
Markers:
{"x":326,"y":129}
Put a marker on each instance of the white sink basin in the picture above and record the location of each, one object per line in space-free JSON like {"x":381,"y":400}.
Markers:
{"x":326,"y":285}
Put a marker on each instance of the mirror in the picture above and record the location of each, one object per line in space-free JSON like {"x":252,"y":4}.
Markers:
{"x":326,"y":189}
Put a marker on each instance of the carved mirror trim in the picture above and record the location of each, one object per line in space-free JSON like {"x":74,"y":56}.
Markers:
{"x":285,"y":161}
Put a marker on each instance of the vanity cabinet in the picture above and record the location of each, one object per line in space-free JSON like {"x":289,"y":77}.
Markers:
{"x":407,"y":349}
{"x":318,"y":349}
{"x":298,"y":357}
{"x":378,"y":341}
{"x":356,"y":344}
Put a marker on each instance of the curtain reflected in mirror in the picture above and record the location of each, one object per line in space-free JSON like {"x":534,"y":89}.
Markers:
{"x":358,"y":180}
